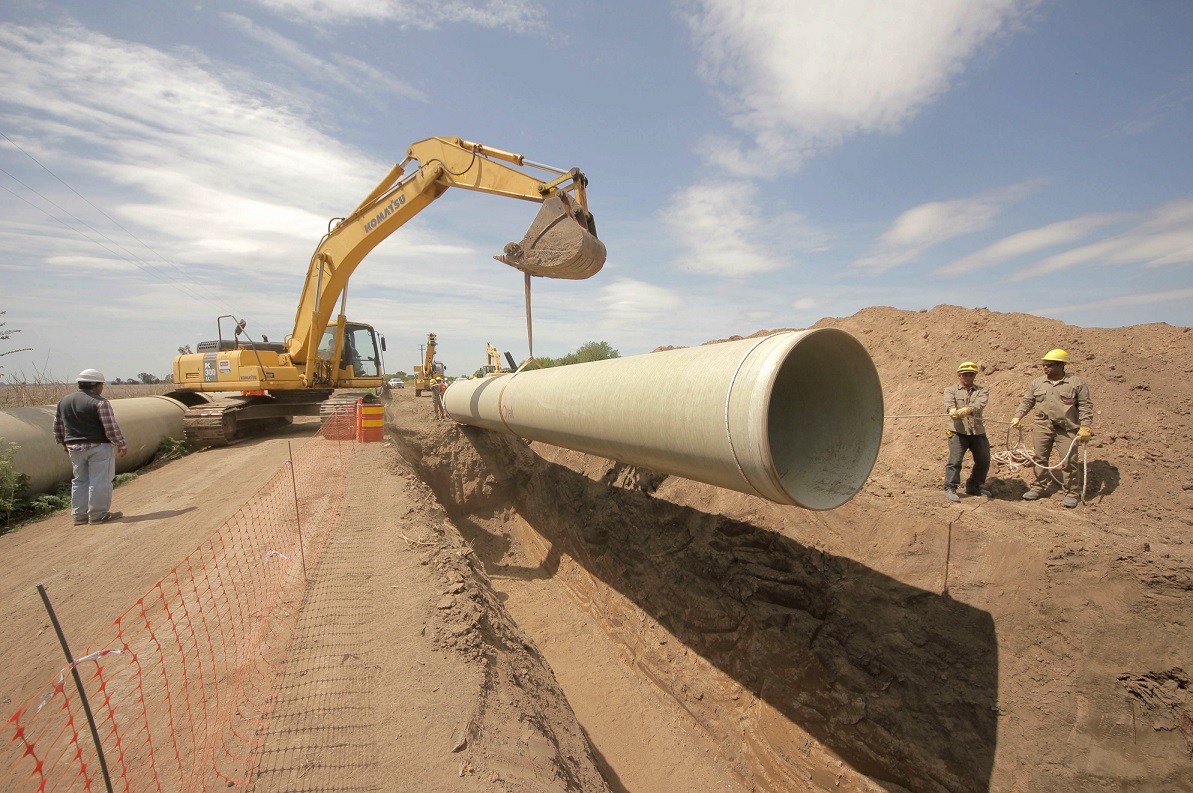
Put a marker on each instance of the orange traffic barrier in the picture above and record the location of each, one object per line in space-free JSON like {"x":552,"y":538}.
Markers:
{"x":370,"y":422}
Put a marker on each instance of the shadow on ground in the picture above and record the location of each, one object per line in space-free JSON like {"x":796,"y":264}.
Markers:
{"x":899,"y":682}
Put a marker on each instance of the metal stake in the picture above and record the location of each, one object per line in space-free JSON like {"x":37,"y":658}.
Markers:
{"x":70,"y":659}
{"x":297,"y":515}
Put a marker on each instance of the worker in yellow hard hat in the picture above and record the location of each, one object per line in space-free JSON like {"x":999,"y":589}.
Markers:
{"x":965,"y":403}
{"x":1064,"y":412}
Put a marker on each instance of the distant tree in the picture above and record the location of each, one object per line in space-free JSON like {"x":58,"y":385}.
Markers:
{"x":148,"y":379}
{"x":589,"y":351}
{"x":596,"y":351}
{"x":184,"y":349}
{"x":5,"y":335}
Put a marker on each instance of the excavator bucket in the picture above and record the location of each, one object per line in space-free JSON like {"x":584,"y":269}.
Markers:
{"x":561,"y":243}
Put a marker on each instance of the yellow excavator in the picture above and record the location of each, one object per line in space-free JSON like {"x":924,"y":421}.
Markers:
{"x":429,"y":369}
{"x":275,"y":381}
{"x":492,"y":366}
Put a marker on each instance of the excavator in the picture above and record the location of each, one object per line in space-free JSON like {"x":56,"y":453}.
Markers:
{"x":493,"y":366}
{"x":429,"y":369}
{"x":275,"y":381}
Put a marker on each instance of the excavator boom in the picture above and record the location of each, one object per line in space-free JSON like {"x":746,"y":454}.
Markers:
{"x":561,"y":242}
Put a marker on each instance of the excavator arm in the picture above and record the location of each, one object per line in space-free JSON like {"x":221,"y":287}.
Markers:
{"x":561,"y":242}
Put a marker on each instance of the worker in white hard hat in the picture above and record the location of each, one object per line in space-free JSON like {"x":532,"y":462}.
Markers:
{"x":965,"y":403}
{"x":86,"y":428}
{"x":1064,"y":412}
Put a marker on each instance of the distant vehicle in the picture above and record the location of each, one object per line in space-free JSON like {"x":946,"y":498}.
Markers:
{"x":397,"y":382}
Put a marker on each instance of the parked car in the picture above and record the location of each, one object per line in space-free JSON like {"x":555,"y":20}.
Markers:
{"x":397,"y":382}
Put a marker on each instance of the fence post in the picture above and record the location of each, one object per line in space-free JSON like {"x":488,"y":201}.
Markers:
{"x":297,"y":512}
{"x":70,"y":659}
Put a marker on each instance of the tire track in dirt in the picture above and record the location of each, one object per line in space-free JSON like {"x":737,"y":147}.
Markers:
{"x":320,"y":735}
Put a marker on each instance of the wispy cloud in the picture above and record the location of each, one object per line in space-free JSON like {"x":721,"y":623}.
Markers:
{"x":628,"y":301}
{"x":1161,"y":108}
{"x":723,"y":230}
{"x":927,"y":225}
{"x":191,"y":174}
{"x":1142,"y":299}
{"x":1164,"y":236}
{"x":797,"y":77}
{"x":1025,"y":242}
{"x":344,"y":71}
{"x":517,"y":15}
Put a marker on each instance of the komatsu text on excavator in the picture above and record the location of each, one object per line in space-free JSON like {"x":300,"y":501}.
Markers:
{"x":275,"y":381}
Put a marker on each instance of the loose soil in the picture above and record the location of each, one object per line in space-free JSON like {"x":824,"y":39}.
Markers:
{"x":492,"y":614}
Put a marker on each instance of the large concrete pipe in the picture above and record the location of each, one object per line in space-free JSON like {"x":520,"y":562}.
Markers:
{"x":144,"y":421}
{"x":794,"y":417}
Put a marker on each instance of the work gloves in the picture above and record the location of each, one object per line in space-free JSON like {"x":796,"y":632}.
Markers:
{"x":959,"y":413}
{"x":1084,"y":434}
{"x":1015,"y":422}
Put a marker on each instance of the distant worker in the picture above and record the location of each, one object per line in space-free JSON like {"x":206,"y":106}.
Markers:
{"x":85,"y":426}
{"x":1064,"y":412}
{"x":438,"y":386}
{"x":965,"y":403}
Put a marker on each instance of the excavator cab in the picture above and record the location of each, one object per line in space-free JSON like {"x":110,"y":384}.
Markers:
{"x":560,"y":243}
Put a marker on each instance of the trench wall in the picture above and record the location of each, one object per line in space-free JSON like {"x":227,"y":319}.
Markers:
{"x":811,"y":671}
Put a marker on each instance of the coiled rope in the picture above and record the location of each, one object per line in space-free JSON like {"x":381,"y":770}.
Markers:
{"x":1016,"y":458}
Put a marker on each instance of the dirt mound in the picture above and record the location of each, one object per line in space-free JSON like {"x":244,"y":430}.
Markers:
{"x":900,"y":642}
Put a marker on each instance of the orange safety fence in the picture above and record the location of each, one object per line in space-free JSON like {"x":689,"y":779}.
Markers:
{"x":181,"y":686}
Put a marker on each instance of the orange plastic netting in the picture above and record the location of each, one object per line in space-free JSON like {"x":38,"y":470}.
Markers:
{"x":181,"y":685}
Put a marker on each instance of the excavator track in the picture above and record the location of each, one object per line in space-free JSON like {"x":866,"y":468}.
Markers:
{"x":226,"y":421}
{"x":212,"y":423}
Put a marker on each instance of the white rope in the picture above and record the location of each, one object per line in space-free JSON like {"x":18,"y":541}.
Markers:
{"x":1017,"y":458}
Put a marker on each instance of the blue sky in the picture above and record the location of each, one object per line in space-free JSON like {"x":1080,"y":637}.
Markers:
{"x":752,"y":164}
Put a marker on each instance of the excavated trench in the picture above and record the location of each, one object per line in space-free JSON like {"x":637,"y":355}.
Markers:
{"x":747,"y":660}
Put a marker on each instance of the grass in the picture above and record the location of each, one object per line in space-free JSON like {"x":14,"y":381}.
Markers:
{"x":29,"y":394}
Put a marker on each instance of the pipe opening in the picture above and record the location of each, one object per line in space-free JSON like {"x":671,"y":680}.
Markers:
{"x":824,"y":419}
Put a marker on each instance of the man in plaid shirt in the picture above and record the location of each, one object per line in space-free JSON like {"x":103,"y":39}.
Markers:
{"x":85,"y":426}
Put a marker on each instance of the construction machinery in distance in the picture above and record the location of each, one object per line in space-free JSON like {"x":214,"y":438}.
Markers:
{"x":492,"y":366}
{"x":429,"y":369}
{"x":274,"y":381}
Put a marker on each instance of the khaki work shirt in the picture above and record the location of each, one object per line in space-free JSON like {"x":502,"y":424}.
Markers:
{"x":1066,"y":402}
{"x":976,"y":397}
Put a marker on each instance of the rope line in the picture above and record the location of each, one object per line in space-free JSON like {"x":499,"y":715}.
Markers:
{"x":1017,"y":458}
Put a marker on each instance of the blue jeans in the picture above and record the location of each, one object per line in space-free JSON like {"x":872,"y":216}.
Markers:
{"x":91,"y":488}
{"x":979,"y":447}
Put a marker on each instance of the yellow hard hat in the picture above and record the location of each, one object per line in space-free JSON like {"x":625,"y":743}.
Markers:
{"x":968,"y":366}
{"x":1058,"y":355}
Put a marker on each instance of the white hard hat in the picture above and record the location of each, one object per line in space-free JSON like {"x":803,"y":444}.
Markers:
{"x":91,"y":376}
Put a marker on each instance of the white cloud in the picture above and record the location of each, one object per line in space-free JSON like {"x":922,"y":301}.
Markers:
{"x":1163,"y":237}
{"x":517,"y":15}
{"x":1143,"y":299}
{"x":1025,"y":242}
{"x":628,"y":301}
{"x":927,"y":225}
{"x":801,"y":76}
{"x":347,"y":72}
{"x":721,"y":230}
